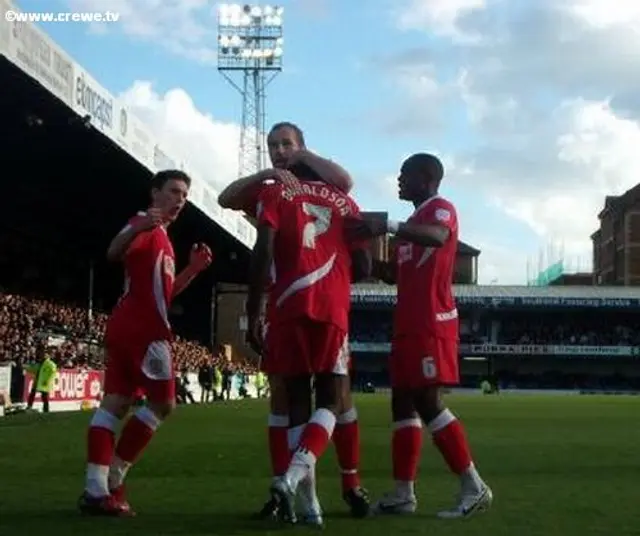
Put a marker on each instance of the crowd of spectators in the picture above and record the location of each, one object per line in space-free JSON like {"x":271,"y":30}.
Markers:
{"x":75,"y":337}
{"x":530,"y":328}
{"x":583,"y":330}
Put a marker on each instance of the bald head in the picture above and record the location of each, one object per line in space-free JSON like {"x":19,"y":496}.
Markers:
{"x":427,"y":165}
{"x":420,"y":177}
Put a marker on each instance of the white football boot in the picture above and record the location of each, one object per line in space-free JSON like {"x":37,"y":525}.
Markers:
{"x":470,"y":502}
{"x":310,"y":511}
{"x":396,"y":503}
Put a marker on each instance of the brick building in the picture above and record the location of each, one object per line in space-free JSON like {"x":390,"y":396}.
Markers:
{"x":616,"y":244}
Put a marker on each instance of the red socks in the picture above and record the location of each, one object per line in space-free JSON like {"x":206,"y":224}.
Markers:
{"x":406,"y":445}
{"x":450,"y":439}
{"x":346,"y":438}
{"x":278,"y":444}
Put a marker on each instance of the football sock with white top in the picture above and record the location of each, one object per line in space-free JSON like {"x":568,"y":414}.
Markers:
{"x":406,"y":445}
{"x":100,"y":448}
{"x":135,"y":437}
{"x":313,"y":442}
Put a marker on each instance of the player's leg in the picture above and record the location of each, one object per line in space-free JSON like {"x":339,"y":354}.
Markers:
{"x":321,"y":345}
{"x":118,"y":388}
{"x":446,"y":429}
{"x":156,"y":374}
{"x":406,"y":440}
{"x":278,"y":437}
{"x":346,"y":438}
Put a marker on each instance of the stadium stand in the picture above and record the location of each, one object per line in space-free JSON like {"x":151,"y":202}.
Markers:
{"x":77,"y":166}
{"x":569,"y":338}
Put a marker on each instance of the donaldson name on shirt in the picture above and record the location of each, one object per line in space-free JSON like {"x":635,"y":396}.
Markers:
{"x":321,"y":191}
{"x":98,"y":107}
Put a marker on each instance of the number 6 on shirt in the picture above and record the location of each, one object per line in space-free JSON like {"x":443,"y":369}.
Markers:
{"x":316,"y":227}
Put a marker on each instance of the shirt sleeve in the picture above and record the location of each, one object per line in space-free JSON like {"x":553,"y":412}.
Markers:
{"x":355,"y":245}
{"x":440,"y":213}
{"x":253,"y":196}
{"x":268,"y":207}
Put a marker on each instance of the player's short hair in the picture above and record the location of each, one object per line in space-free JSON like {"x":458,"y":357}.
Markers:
{"x":162,"y":177}
{"x":426,"y":164}
{"x":292,"y":126}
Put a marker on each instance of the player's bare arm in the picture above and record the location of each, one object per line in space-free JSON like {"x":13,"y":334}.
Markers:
{"x":199,"y":259}
{"x":259,"y":267}
{"x":384,"y":271}
{"x":422,"y":234}
{"x":236,"y":195}
{"x":427,"y":235}
{"x":325,"y":169}
{"x":121,"y":242}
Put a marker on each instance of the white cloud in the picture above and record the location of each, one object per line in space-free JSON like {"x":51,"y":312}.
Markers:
{"x":552,"y":104}
{"x":441,"y":17}
{"x":183,"y":27}
{"x":209,"y":147}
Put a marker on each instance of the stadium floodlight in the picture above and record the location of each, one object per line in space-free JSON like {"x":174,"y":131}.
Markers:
{"x":250,"y":41}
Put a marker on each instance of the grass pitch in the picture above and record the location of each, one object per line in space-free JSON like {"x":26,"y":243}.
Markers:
{"x":558,"y":466}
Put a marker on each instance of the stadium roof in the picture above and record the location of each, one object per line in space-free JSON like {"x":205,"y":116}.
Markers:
{"x":515,"y":291}
{"x":91,"y":104}
{"x":466,"y":249}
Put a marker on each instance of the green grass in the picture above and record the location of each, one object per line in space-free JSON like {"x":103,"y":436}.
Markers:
{"x":557,"y":465}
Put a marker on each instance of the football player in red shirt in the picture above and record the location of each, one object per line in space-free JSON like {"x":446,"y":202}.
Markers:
{"x":287,"y":148}
{"x":424,"y":348}
{"x":301,"y":234}
{"x":137,"y":340}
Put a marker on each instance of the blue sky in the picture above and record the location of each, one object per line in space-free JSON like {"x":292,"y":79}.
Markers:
{"x":532,"y":137}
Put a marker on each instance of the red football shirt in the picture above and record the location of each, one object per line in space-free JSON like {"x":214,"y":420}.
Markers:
{"x":425,"y":276}
{"x":312,"y":259}
{"x":149,"y":264}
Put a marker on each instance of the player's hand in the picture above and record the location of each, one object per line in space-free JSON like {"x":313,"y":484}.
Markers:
{"x":365,"y":227}
{"x":200,"y":257}
{"x":254,"y":335}
{"x":154,"y":217}
{"x":284,"y":177}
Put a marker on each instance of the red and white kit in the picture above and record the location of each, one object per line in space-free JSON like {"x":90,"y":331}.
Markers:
{"x":138,"y":335}
{"x":309,"y":301}
{"x":425,"y":339}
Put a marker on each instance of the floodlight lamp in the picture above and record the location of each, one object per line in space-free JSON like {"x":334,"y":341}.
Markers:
{"x":223,"y":10}
{"x":279,"y":42}
{"x":277,"y":20}
{"x":245,"y":20}
{"x":277,"y":52}
{"x":268,"y":10}
{"x":256,"y":11}
{"x":246,"y":53}
{"x":234,"y":10}
{"x":279,"y":11}
{"x":224,"y":40}
{"x":235,"y":40}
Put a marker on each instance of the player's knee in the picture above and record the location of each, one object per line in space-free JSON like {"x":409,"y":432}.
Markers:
{"x":345,"y":394}
{"x":429,"y":403}
{"x":278,"y":401}
{"x":299,"y":399}
{"x":162,"y":410}
{"x":116,"y":405}
{"x":329,"y":393}
{"x":402,"y":405}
